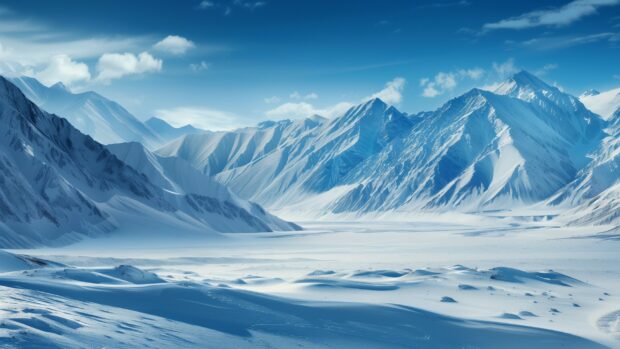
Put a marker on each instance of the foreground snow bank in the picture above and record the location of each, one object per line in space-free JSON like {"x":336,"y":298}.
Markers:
{"x":68,"y":307}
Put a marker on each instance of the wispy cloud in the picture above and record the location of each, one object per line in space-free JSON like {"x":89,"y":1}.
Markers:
{"x":303,"y":110}
{"x":226,"y":6}
{"x":174,"y":44}
{"x":439,"y":4}
{"x":444,"y":82}
{"x":201,"y":117}
{"x":297,"y":96}
{"x":272,"y":99}
{"x":392,"y":93}
{"x":198,"y":67}
{"x":545,"y":69}
{"x":556,"y":17}
{"x":560,"y":42}
{"x":500,"y":71}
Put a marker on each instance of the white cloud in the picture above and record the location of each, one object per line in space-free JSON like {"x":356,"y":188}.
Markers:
{"x":297,"y":96}
{"x":430,"y":91}
{"x":505,"y":69}
{"x":228,"y":5}
{"x":271,"y":100}
{"x":392,"y":92}
{"x":177,"y":45}
{"x":559,"y":42}
{"x":545,"y":69}
{"x":499,"y":73}
{"x":205,"y":118}
{"x":116,"y":65}
{"x":311,"y":95}
{"x":561,"y":16}
{"x":303,"y":110}
{"x":444,"y":82}
{"x":205,"y":4}
{"x":473,"y":74}
{"x":196,"y":67}
{"x":62,"y":68}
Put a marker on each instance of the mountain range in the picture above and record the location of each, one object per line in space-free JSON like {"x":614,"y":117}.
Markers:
{"x":523,"y":143}
{"x":58,"y":185}
{"x":105,"y":121}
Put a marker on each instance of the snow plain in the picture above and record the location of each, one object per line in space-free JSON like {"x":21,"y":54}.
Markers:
{"x":429,"y":282}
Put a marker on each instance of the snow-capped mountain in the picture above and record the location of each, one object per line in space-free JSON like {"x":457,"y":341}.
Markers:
{"x":281,"y":163}
{"x":59,"y":185}
{"x":595,"y":192}
{"x":480,"y":151}
{"x":104,"y":120}
{"x":514,"y":146}
{"x":194,"y":191}
{"x":602,"y":103}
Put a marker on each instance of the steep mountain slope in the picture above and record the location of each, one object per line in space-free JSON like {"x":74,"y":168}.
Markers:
{"x":214,"y":152}
{"x":596,"y":190}
{"x":196,"y":191}
{"x":104,"y":120}
{"x":603,"y":104}
{"x":281,"y":163}
{"x":484,"y":150}
{"x":58,"y":185}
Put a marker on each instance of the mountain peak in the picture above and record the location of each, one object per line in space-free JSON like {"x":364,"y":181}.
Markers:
{"x":525,"y":78}
{"x":589,"y":93}
{"x":317,"y":118}
{"x":10,"y":92}
{"x":375,"y":102}
{"x":521,"y":84}
{"x":59,"y":86}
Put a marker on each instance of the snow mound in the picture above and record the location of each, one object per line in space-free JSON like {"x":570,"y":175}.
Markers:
{"x":133,"y":275}
{"x":10,"y":262}
{"x":515,"y":275}
{"x":63,"y":315}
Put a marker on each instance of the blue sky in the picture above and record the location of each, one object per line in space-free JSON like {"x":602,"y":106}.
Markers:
{"x":226,"y":63}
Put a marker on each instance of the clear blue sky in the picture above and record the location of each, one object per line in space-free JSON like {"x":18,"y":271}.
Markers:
{"x":235,"y":62}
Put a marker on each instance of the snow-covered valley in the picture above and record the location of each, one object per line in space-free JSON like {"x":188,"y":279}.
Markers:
{"x":484,"y":283}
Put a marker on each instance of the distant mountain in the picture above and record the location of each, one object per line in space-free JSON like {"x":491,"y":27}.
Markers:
{"x":483,"y":150}
{"x":602,"y":103}
{"x":215,"y":204}
{"x":282,"y":163}
{"x":58,"y":185}
{"x":104,"y":120}
{"x":167,"y":132}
